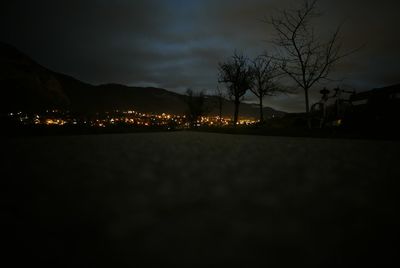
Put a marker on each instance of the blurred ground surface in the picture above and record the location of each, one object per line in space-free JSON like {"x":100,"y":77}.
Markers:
{"x":200,"y":200}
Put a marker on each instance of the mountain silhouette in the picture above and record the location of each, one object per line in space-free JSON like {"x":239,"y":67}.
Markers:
{"x":25,"y":85}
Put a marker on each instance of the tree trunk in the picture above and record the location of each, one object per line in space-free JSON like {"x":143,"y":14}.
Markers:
{"x":236,"y":114}
{"x":307,"y":108}
{"x":261,"y":111}
{"x":220,"y":100}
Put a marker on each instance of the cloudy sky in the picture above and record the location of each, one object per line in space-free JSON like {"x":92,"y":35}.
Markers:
{"x":177,"y":44}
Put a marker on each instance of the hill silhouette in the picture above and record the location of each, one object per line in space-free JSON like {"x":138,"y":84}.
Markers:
{"x":28,"y":86}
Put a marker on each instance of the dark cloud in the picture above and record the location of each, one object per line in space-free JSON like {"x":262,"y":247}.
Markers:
{"x":177,"y":44}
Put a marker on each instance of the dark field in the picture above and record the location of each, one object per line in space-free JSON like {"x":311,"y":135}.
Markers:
{"x":200,"y":200}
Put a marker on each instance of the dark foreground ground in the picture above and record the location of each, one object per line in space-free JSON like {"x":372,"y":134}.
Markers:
{"x":199,"y":200}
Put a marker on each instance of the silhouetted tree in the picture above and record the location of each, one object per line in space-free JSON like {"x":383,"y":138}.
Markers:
{"x":236,"y":73}
{"x":303,"y":56}
{"x":196,"y":106}
{"x":265,"y":73}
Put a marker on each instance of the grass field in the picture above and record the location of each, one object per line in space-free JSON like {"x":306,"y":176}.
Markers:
{"x":200,"y":200}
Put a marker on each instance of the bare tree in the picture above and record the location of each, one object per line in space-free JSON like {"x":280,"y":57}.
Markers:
{"x":265,"y":73}
{"x":196,"y":106}
{"x":237,"y":75}
{"x":303,"y":56}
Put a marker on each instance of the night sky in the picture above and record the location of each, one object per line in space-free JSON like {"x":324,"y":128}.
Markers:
{"x":177,"y":44}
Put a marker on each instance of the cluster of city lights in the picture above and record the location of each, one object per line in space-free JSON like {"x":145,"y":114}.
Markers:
{"x":50,"y":118}
{"x":117,"y":117}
